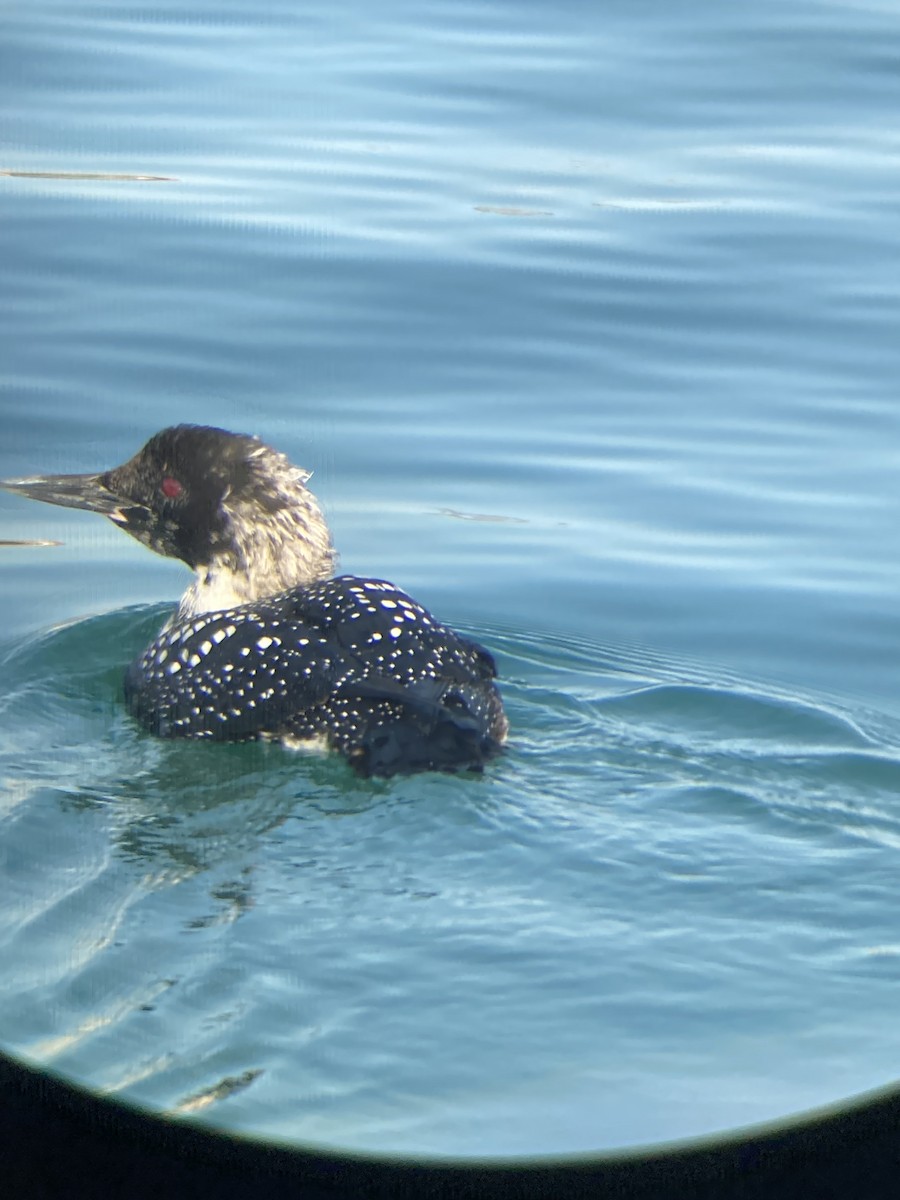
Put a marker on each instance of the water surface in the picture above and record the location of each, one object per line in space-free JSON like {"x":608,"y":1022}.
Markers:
{"x":585,"y":320}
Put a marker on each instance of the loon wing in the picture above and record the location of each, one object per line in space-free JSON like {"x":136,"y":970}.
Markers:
{"x":230,"y":676}
{"x":387,"y":633}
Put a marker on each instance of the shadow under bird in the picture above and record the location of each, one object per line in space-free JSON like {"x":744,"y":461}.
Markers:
{"x":267,"y":642}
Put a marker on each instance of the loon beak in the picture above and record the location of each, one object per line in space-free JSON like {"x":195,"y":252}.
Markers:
{"x":70,"y":491}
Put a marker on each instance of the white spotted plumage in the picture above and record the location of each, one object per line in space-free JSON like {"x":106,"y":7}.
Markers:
{"x":303,"y":667}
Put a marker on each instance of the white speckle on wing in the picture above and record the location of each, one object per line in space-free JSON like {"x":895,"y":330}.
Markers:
{"x":322,"y":664}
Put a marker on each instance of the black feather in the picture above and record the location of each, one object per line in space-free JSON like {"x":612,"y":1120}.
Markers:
{"x":355,"y":661}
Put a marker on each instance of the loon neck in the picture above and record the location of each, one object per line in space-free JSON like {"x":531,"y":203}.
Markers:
{"x":220,"y":586}
{"x":216,"y":588}
{"x":268,"y":550}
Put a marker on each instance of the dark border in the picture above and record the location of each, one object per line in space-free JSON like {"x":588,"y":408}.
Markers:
{"x":58,"y":1139}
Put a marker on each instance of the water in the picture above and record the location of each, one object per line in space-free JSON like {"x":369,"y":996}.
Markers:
{"x":585,"y":319}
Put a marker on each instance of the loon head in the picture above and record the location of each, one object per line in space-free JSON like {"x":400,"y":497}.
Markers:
{"x":226,"y":504}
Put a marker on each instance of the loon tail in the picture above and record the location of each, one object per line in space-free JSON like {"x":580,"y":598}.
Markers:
{"x":431,"y":729}
{"x":404,"y":747}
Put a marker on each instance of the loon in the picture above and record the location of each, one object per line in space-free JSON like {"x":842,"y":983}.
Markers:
{"x":267,"y":642}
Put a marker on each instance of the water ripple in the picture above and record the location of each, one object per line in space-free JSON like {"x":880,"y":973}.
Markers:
{"x":637,"y":794}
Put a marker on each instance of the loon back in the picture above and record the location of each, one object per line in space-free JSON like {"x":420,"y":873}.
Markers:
{"x":353,"y":662}
{"x":264,"y":642}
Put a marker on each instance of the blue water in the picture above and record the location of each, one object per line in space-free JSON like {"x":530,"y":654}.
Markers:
{"x":585,"y":318}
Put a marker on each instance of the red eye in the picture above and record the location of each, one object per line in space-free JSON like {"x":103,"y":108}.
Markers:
{"x":171,"y":487}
